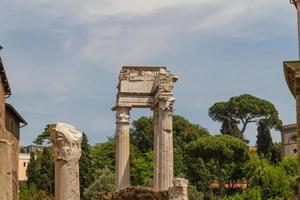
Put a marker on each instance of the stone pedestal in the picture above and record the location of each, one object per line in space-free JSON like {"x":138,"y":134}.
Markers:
{"x":180,"y":189}
{"x":6,"y":170}
{"x":66,"y":151}
{"x":123,"y":147}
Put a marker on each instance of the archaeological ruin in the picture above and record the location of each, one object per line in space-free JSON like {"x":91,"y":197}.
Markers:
{"x":146,"y":87}
{"x":66,"y":152}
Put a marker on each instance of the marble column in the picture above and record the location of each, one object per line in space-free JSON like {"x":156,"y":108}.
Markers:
{"x":165,"y":135}
{"x":6,"y":169}
{"x":66,"y":151}
{"x":156,"y":160}
{"x":122,"y":150}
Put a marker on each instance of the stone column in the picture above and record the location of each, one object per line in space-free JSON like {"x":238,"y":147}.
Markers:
{"x":66,"y":151}
{"x":6,"y":169}
{"x":156,"y":142}
{"x":122,"y":150}
{"x":165,"y":135}
{"x":180,"y":189}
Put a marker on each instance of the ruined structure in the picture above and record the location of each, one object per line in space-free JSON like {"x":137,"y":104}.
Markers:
{"x":66,"y":151}
{"x":10,"y":123}
{"x":146,"y":87}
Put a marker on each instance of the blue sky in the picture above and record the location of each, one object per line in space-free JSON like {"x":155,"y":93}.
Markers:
{"x":63,"y":57}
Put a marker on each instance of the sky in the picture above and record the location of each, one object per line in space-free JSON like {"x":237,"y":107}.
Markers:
{"x":62,"y":57}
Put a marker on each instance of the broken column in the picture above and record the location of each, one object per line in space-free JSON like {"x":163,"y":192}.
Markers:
{"x":123,"y":147}
{"x":66,"y":151}
{"x":180,"y":189}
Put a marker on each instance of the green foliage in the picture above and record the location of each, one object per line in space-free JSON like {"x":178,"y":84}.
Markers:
{"x":194,"y":194}
{"x":40,"y":171}
{"x":103,"y":155}
{"x":43,"y":137}
{"x":142,"y":169}
{"x":30,"y":192}
{"x":199,"y":176}
{"x":248,"y":194}
{"x":276,"y":153}
{"x":104,"y":182}
{"x":223,"y":149}
{"x":142,"y":134}
{"x":242,"y":110}
{"x":31,"y":172}
{"x":86,"y":172}
{"x":46,"y":176}
{"x":264,"y":141}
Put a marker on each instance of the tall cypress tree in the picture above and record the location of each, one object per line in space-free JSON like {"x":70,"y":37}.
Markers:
{"x":264,"y":140}
{"x":32,"y":171}
{"x":46,"y":179}
{"x":85,"y":165}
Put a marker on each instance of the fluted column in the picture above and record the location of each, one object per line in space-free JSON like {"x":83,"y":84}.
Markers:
{"x":297,"y":4}
{"x":66,"y":151}
{"x":122,"y":151}
{"x":165,"y":135}
{"x":156,"y":142}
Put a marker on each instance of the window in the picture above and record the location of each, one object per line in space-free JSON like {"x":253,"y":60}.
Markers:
{"x":293,"y":139}
{"x":24,"y":164}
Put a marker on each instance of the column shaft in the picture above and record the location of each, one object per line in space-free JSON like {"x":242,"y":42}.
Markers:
{"x":122,"y":149}
{"x":165,"y":169}
{"x":156,"y":174}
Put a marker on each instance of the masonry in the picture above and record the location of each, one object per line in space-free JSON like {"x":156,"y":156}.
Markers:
{"x":10,"y":122}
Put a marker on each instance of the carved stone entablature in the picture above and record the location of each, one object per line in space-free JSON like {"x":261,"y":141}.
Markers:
{"x":137,"y":75}
{"x":66,"y":142}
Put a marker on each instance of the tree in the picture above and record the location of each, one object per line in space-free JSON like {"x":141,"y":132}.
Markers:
{"x":276,"y":153}
{"x":199,"y":176}
{"x":86,"y":172}
{"x":32,"y":170}
{"x":104,"y":182}
{"x":242,"y":110}
{"x":222,"y":149}
{"x":46,"y":178}
{"x":142,"y":134}
{"x":103,"y":155}
{"x":142,"y":169}
{"x":264,"y":141}
{"x":44,"y":137}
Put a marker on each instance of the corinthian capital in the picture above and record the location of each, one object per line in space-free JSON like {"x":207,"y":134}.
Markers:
{"x":66,"y":141}
{"x":167,"y":103}
{"x":122,"y":115}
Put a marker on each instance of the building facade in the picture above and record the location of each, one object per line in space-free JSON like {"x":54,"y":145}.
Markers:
{"x":289,"y":140}
{"x":24,"y":159}
{"x":10,"y":124}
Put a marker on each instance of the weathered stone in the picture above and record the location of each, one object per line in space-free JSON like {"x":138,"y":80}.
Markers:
{"x":180,"y":189}
{"x":6,"y":170}
{"x":66,"y":151}
{"x":146,"y":87}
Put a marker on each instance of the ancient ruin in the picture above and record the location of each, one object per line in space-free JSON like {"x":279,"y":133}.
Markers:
{"x":146,"y":87}
{"x":66,"y":151}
